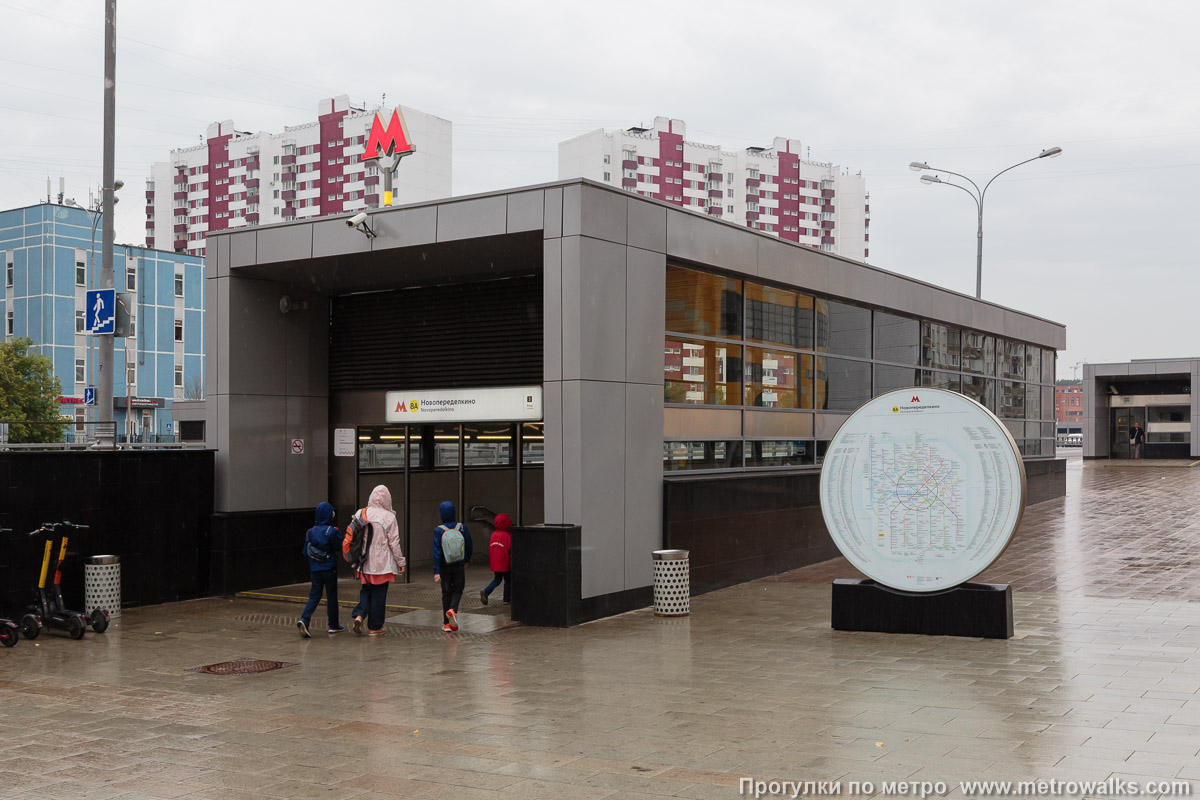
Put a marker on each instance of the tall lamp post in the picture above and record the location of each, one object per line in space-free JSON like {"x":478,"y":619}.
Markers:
{"x":978,"y":196}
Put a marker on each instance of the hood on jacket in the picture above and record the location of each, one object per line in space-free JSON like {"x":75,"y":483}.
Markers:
{"x":446,"y":509}
{"x":324,"y":514}
{"x":503,"y":522}
{"x":380,"y":498}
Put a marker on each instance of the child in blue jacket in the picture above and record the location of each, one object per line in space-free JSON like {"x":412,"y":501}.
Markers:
{"x":322,"y":539}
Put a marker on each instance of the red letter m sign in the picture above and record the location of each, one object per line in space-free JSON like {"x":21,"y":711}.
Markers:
{"x":393,"y":140}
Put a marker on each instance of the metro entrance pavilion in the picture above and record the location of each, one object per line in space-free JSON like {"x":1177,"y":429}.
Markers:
{"x":691,"y":373}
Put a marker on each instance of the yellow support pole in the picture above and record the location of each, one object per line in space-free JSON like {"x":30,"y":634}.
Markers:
{"x":62,"y":553}
{"x":387,"y":197}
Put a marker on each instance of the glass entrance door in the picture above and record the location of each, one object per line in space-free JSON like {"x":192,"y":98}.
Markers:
{"x":1122,"y":424}
{"x":483,"y":468}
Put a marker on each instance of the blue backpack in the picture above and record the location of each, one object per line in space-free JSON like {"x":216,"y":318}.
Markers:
{"x":314,"y":552}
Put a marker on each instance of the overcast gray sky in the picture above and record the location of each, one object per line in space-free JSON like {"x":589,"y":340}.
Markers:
{"x":1100,"y":238}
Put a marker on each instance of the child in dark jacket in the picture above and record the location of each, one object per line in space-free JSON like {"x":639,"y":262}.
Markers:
{"x":322,"y":539}
{"x":500,"y":558}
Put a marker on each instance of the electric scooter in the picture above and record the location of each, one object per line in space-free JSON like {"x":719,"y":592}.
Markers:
{"x":49,"y":604}
{"x":9,"y":630}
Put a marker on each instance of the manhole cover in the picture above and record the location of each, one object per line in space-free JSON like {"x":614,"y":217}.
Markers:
{"x":241,"y":666}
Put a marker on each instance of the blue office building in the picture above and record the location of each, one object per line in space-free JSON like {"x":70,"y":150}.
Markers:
{"x":51,"y":255}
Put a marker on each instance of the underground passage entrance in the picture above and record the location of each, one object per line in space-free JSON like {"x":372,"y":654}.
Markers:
{"x":484,"y":468}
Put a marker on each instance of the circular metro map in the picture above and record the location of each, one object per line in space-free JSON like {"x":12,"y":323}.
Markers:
{"x":922,"y":489}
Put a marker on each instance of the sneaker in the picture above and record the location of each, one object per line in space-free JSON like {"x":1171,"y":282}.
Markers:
{"x":303,"y":629}
{"x":453,"y":619}
{"x":357,"y":625}
{"x":447,"y":629}
{"x":380,"y":632}
{"x":338,"y":629}
{"x":483,"y":596}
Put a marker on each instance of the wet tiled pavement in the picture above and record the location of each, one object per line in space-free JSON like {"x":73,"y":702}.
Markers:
{"x":1103,"y":678}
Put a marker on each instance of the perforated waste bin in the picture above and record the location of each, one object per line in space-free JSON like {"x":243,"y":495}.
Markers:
{"x":672,"y":583}
{"x":102,"y":584}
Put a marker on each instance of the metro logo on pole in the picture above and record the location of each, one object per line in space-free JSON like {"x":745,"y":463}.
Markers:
{"x":394,"y":139}
{"x":395,"y":143}
{"x":101,"y":311}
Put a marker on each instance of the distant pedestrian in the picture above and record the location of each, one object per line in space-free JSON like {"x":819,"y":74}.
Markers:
{"x":384,"y":562}
{"x":1137,"y":438}
{"x":451,"y":552}
{"x":321,"y":543}
{"x":499,"y":558}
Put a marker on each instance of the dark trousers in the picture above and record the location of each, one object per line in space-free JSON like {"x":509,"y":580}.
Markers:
{"x":454,"y":580}
{"x":372,"y":603}
{"x":491,"y":587}
{"x":323,"y":580}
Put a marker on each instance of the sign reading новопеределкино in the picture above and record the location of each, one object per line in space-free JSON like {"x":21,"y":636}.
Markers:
{"x":506,"y":404}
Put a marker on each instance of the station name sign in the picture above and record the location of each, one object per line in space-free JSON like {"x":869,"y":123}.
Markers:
{"x":506,"y":404}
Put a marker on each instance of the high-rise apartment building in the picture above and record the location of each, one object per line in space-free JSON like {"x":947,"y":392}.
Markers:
{"x":51,"y":257}
{"x":235,"y":179}
{"x":772,"y":189}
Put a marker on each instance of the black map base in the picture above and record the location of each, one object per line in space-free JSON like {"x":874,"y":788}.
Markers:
{"x":981,"y":610}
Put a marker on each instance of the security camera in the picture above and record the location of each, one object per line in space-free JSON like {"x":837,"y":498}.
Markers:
{"x":357,"y":219}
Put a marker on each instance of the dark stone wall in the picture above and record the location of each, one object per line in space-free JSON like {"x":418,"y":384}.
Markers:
{"x":257,"y":549}
{"x":152,"y":508}
{"x":741,"y":527}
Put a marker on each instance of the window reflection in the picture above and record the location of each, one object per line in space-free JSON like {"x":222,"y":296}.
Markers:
{"x":433,"y":447}
{"x":780,"y":453}
{"x":1048,"y":369}
{"x":842,"y":385}
{"x":381,"y":447}
{"x":778,"y":379}
{"x":1012,"y":359}
{"x":779,"y":317}
{"x":702,"y":373}
{"x":704,"y":304}
{"x":940,"y":345}
{"x":940,"y":380}
{"x":890,"y":378}
{"x":1011,"y":403}
{"x":682,"y":456}
{"x":1033,"y":364}
{"x":843,"y":329}
{"x":1033,"y":400}
{"x":978,"y":353}
{"x":489,"y":444}
{"x":897,"y":338}
{"x":981,"y":390}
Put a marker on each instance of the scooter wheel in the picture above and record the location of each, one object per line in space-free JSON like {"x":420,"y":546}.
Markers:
{"x":30,"y":626}
{"x":75,"y":628}
{"x":99,"y":620}
{"x":8,"y":635}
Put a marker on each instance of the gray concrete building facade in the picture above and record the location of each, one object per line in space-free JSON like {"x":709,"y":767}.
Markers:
{"x":691,"y":373}
{"x":1156,"y":393}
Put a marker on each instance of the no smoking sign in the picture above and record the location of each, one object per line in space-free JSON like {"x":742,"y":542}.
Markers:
{"x":297,"y":447}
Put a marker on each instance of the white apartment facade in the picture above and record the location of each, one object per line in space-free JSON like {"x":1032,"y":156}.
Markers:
{"x":236,"y":179}
{"x":770,"y":189}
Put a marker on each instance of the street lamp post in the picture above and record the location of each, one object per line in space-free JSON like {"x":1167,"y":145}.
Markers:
{"x":978,"y":196}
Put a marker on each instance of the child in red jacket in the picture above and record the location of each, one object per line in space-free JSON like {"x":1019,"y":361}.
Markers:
{"x":500,"y":558}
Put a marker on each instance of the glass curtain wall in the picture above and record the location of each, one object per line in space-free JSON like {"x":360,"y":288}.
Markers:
{"x":734,"y":343}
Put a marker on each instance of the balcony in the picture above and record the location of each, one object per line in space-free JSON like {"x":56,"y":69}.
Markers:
{"x":149,"y":195}
{"x":826,"y":240}
{"x":252,"y":183}
{"x":827,"y":224}
{"x":716,"y":193}
{"x":181,"y":195}
{"x":752,"y":197}
{"x":252,"y":218}
{"x":371,"y":180}
{"x":752,"y":183}
{"x":150,"y":211}
{"x":828,"y":209}
{"x":289,"y":177}
{"x":628,"y":183}
{"x":180,"y":245}
{"x":372,"y":200}
{"x":716,"y":176}
{"x":715,"y":211}
{"x":751,"y":216}
{"x":827,"y":193}
{"x":150,"y":242}
{"x":287,"y":159}
{"x":288,"y":194}
{"x":288,"y":212}
{"x":629,"y":163}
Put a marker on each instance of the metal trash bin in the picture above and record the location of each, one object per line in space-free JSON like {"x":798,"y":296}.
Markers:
{"x":102,"y":584}
{"x":672,"y":583}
